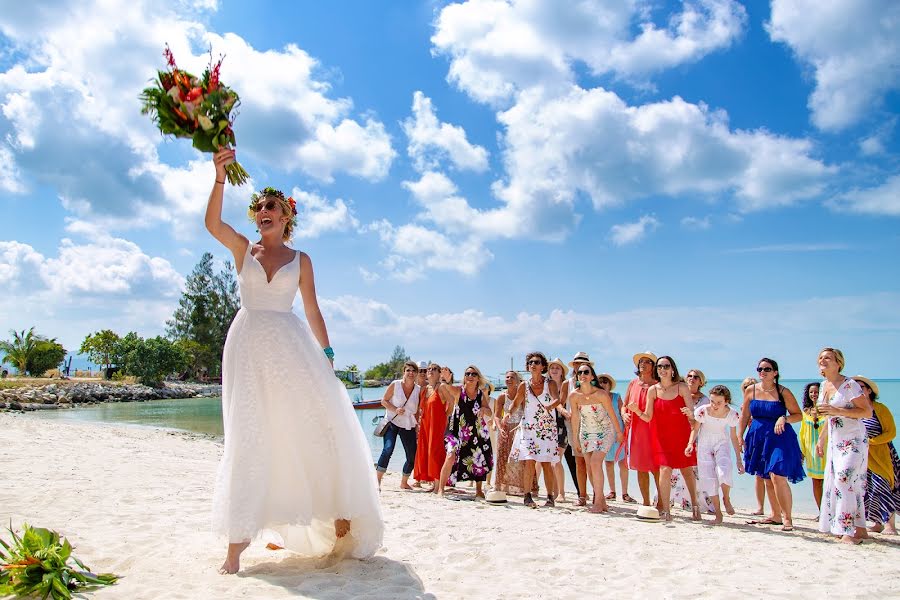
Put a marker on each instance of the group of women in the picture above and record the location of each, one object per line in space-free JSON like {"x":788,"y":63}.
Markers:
{"x":664,"y":427}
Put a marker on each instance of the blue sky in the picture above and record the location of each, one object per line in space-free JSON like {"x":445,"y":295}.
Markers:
{"x":713,"y":180}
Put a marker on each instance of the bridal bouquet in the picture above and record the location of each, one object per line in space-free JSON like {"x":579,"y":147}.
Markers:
{"x":200,"y":109}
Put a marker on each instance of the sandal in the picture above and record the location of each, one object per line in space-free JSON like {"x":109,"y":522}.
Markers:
{"x":611,"y":496}
{"x":582,"y":501}
{"x":550,"y":502}
{"x":529,"y":502}
{"x":628,"y":499}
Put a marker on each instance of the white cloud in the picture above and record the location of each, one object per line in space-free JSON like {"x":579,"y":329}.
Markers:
{"x":629,"y":233}
{"x":431,"y":141}
{"x":883,"y":199}
{"x":696,"y":222}
{"x":368,"y":276}
{"x":317,"y":215}
{"x":852,"y":48}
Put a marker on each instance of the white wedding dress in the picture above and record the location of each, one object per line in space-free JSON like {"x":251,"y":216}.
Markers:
{"x":295,"y":455}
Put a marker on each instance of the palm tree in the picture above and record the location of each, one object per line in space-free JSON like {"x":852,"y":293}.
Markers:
{"x":19,"y":349}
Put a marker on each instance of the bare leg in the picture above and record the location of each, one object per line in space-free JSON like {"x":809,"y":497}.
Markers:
{"x":643,"y":478}
{"x":818,"y":484}
{"x":404,"y":482}
{"x":760,"y":496}
{"x":478,"y":491}
{"x":659,"y":496}
{"x":559,"y":477}
{"x":610,"y":468}
{"x":665,"y":492}
{"x":581,"y":473}
{"x":784,"y":499}
{"x":379,"y":474}
{"x":718,"y":508}
{"x":341,"y":527}
{"x":232,"y":562}
{"x":726,"y":498}
{"x":528,"y":482}
{"x":550,"y":480}
{"x":690,"y":482}
{"x":445,"y":472}
{"x":891,"y":527}
{"x":774,"y":504}
{"x":623,"y":477}
{"x":595,"y":460}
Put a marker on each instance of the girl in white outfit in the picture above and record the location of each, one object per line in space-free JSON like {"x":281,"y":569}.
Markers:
{"x":714,"y":431}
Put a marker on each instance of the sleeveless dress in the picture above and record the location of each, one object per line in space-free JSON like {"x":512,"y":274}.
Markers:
{"x":295,"y":456}
{"x":509,"y":472}
{"x":596,"y":432}
{"x":671,"y":431}
{"x":767,"y":452}
{"x":469,"y":436}
{"x":614,"y":454}
{"x":810,"y":429}
{"x":882,"y":489}
{"x":431,"y":453}
{"x":536,"y":438}
{"x":640,"y":451}
{"x":844,"y":488}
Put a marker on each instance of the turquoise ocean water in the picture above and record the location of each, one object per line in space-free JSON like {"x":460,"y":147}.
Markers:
{"x":204,"y":415}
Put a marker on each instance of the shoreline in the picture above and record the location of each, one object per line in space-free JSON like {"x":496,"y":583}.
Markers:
{"x":67,"y":393}
{"x":136,"y":502}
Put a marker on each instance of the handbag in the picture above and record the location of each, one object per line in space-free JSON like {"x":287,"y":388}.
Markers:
{"x":382,"y":426}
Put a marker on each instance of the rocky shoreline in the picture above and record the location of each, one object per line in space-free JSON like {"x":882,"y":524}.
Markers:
{"x":69,"y":394}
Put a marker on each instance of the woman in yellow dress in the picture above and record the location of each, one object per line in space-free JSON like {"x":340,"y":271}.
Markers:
{"x":809,"y":434}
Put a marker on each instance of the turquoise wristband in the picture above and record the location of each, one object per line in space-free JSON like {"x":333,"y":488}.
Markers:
{"x":329,"y":352}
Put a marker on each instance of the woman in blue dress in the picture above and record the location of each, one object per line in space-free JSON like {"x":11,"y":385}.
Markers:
{"x":771,"y":448}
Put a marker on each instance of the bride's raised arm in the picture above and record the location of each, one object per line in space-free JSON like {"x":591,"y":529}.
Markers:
{"x":219,"y":229}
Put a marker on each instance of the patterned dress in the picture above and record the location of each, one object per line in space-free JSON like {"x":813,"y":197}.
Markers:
{"x":509,"y":472}
{"x":843,"y":508}
{"x":536,"y":438}
{"x":596,"y":432}
{"x":810,"y":429}
{"x":468,"y":435}
{"x":882,"y":494}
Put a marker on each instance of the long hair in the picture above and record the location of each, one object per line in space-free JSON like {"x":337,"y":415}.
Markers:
{"x":807,"y":400}
{"x":774,"y":365}
{"x":676,"y":378}
{"x":594,"y":382}
{"x":482,"y":380}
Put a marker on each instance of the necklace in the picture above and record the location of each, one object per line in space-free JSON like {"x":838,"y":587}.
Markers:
{"x":771,"y":389}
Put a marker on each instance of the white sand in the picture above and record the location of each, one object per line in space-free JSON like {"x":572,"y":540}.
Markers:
{"x":135,"y":501}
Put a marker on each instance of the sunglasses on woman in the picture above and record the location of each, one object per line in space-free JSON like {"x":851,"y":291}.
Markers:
{"x":764,"y":369}
{"x":269,"y":205}
{"x":471,"y":374}
{"x":535,"y":361}
{"x":584,"y":372}
{"x":663,"y":367}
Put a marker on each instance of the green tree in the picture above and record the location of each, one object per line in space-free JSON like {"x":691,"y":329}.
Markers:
{"x":123,"y":348}
{"x":205,"y":311}
{"x":154,"y":358}
{"x":47,"y":354}
{"x":390,"y":369}
{"x":17,"y":350}
{"x":100,"y":348}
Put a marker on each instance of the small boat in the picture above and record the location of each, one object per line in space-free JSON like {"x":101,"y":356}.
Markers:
{"x":367,"y":404}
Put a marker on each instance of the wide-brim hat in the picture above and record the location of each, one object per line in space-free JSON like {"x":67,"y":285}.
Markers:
{"x":423,"y":364}
{"x":558,"y":361}
{"x":868,"y":382}
{"x":648,"y":514}
{"x":581,"y":357}
{"x":637,"y":357}
{"x":495,"y":497}
{"x":612,"y":380}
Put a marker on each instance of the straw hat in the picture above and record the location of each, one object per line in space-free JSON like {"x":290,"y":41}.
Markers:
{"x":558,"y":361}
{"x":612,"y":380}
{"x":648,"y":514}
{"x":581,"y":357}
{"x":495,"y":497}
{"x":868,"y":382}
{"x":637,"y":357}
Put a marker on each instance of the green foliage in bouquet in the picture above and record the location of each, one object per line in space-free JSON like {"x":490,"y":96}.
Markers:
{"x":200,"y":109}
{"x":37,"y":563}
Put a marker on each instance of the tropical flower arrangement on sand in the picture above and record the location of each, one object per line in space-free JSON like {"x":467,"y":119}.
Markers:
{"x":197,"y":108}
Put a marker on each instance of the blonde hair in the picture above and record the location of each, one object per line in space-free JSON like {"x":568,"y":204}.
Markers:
{"x":482,"y":380}
{"x":838,"y":356}
{"x":701,"y":375}
{"x":748,"y":382}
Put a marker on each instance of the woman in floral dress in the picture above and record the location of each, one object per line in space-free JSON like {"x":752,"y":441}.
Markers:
{"x":843,"y":510}
{"x":883,"y":479}
{"x":536,"y":440}
{"x":508,"y":474}
{"x":468,"y":438}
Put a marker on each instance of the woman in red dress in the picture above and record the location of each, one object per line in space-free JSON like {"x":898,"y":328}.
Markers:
{"x":431,"y":452}
{"x":670,"y":431}
{"x":638,"y":445}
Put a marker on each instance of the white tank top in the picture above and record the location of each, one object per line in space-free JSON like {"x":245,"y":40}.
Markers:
{"x":408,"y":419}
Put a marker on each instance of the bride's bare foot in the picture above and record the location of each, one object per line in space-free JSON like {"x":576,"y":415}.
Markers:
{"x":341,"y":527}
{"x":728,"y":507}
{"x":232,"y":562}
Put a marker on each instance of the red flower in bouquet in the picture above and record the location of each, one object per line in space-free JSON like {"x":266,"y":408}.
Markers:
{"x":197,"y":108}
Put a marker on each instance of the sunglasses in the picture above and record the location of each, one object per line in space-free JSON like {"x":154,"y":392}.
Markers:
{"x":764,"y":369}
{"x":268,"y":205}
{"x":603,"y":380}
{"x":535,"y":361}
{"x":471,"y":374}
{"x":692,"y":376}
{"x":663,"y":367}
{"x":423,"y":370}
{"x":584,"y":372}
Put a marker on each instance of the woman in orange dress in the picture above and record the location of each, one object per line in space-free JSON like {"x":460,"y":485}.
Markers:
{"x":431,"y":453}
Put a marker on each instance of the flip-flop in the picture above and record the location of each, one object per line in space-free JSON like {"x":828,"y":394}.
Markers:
{"x":787,"y":528}
{"x":611,"y":496}
{"x":763,"y":522}
{"x":628,"y":499}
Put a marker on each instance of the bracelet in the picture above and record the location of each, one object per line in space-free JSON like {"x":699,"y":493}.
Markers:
{"x":222,"y":182}
{"x":329,"y":352}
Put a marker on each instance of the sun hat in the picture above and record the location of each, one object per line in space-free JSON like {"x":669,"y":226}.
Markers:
{"x":558,"y":361}
{"x":581,"y":357}
{"x":612,"y":380}
{"x":637,"y":357}
{"x":495,"y":497}
{"x":423,"y":364}
{"x":648,"y":514}
{"x":868,"y":382}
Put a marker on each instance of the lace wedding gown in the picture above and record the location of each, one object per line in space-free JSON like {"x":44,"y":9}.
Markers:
{"x":295,"y":455}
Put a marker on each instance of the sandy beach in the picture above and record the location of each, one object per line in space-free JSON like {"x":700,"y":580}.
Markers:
{"x":136,"y":501}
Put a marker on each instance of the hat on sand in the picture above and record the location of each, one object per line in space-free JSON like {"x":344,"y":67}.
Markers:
{"x":637,"y":357}
{"x":495,"y":497}
{"x":558,"y":361}
{"x":867,"y":381}
{"x":612,"y":380}
{"x":423,"y":364}
{"x":648,"y":514}
{"x":581,"y":357}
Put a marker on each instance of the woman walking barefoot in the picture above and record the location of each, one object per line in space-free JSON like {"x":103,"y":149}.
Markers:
{"x":846,"y":465}
{"x":596,"y":428}
{"x":670,"y":431}
{"x":295,"y":461}
{"x":771,"y":449}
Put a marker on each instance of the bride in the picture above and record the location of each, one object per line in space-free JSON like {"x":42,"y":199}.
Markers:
{"x":296,"y":462}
